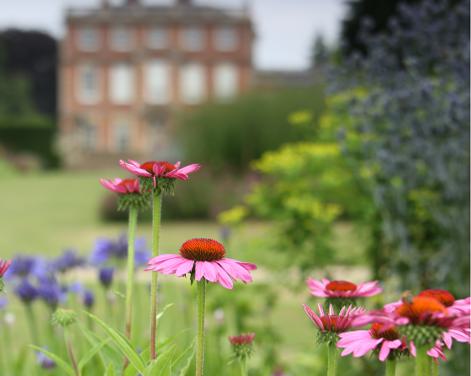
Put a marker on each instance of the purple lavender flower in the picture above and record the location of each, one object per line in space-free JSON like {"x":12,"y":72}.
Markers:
{"x":109,"y":250}
{"x":21,"y":266}
{"x":44,"y":361}
{"x":88,"y":299}
{"x":75,"y":288}
{"x":51,"y":293}
{"x":105,"y":275}
{"x":68,"y":260}
{"x":26,"y":291}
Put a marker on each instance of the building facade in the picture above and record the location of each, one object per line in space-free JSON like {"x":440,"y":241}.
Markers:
{"x":126,"y":70}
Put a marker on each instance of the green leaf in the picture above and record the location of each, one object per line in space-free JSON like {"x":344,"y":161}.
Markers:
{"x":110,"y":370}
{"x":185,"y":369}
{"x":61,"y":363}
{"x":186,"y":351}
{"x":91,"y":353}
{"x":161,"y":313}
{"x":122,"y":343}
{"x":108,"y":354}
{"x":163,"y":363}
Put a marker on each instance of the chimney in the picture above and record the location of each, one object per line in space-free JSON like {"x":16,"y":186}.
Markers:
{"x":132,"y":2}
{"x":105,"y":4}
{"x":183,"y":2}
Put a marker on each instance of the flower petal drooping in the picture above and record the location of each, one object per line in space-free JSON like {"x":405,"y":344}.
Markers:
{"x":203,"y":258}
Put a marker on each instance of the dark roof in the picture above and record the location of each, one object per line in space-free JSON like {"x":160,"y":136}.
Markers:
{"x":129,"y":13}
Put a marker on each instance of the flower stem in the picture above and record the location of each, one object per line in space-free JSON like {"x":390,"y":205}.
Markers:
{"x":243,"y":366}
{"x":70,"y":352}
{"x":156,"y":214}
{"x":201,"y":286}
{"x":332,"y":355}
{"x":390,"y":367}
{"x":32,"y":324}
{"x":434,"y":371}
{"x":132,"y":222}
{"x":422,"y":364}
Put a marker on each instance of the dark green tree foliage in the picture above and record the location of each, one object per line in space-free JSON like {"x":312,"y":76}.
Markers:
{"x":228,"y":136}
{"x":31,"y":58}
{"x":415,"y":123}
{"x":374,"y":12}
{"x":28,"y":64}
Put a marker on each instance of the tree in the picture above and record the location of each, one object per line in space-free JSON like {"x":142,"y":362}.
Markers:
{"x":31,"y":56}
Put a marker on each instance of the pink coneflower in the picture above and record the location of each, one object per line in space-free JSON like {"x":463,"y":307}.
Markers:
{"x":382,"y":337}
{"x":242,"y":347}
{"x":121,"y":186}
{"x":203,"y":258}
{"x":159,"y":169}
{"x":342,"y":289}
{"x":450,"y":323}
{"x":242,"y":339}
{"x":336,"y":323}
{"x":331,"y":324}
{"x":4,"y":265}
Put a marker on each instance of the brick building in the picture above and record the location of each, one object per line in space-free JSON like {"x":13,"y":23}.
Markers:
{"x":126,"y":69}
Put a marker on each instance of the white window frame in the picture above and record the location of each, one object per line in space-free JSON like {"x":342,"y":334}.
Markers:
{"x":186,"y":41}
{"x":221,"y":76}
{"x":164,"y":38}
{"x":220,"y":38}
{"x":83,"y":40}
{"x":87,"y":95}
{"x":119,"y":71}
{"x":114,"y":38}
{"x":157,"y":81}
{"x":196,"y":75}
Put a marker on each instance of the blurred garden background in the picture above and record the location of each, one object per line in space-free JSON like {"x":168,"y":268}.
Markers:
{"x":355,"y":166}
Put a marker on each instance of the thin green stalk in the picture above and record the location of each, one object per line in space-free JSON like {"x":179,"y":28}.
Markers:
{"x":332,"y":355}
{"x":201,"y":291}
{"x":6,"y":335}
{"x":243,"y":366}
{"x":70,"y":352}
{"x":132,"y":223}
{"x":422,"y":362}
{"x":434,"y":368}
{"x":156,"y":214}
{"x":390,"y":367}
{"x":32,"y":324}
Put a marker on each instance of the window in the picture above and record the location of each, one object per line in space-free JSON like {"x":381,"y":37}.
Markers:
{"x":157,"y":38}
{"x":87,"y":133}
{"x":192,"y":83}
{"x":225,"y":81}
{"x":121,"y":39}
{"x":192,"y":39}
{"x":121,"y":136}
{"x":157,"y":82}
{"x":87,"y":39}
{"x":225,"y":39}
{"x":121,"y":84}
{"x":88,"y":85}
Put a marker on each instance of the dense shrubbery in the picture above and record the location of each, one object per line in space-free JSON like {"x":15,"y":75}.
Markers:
{"x":228,"y":136}
{"x":308,"y":186}
{"x":414,"y":128}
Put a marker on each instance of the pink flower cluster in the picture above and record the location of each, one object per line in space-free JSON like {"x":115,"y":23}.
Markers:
{"x":151,"y":169}
{"x":433,"y":319}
